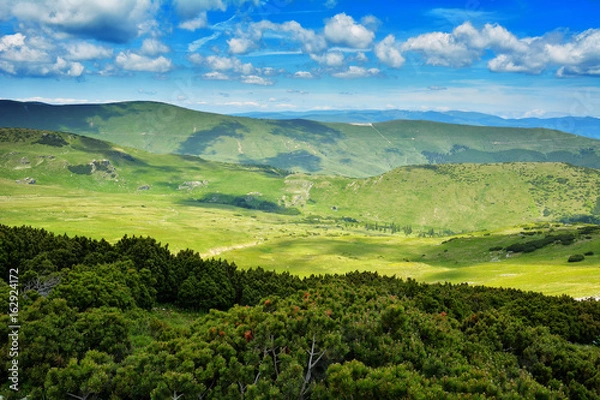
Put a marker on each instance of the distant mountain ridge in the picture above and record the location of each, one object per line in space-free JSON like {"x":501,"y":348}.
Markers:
{"x":582,"y":126}
{"x":302,"y":145}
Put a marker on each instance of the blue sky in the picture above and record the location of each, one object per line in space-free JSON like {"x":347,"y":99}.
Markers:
{"x":512,"y":58}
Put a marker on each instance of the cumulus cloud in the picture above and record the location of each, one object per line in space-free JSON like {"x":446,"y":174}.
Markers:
{"x":361,"y":57}
{"x":573,"y":55}
{"x":356,"y":72}
{"x":115,"y":21}
{"x":579,"y":56}
{"x":330,"y":59}
{"x":85,"y":51}
{"x":240,"y":45}
{"x":23,"y":56}
{"x":228,"y":64}
{"x":153,"y":47}
{"x":303,"y":75}
{"x":11,"y":41}
{"x":257,"y":80}
{"x":201,"y":21}
{"x":442,"y":49}
{"x":311,"y":42}
{"x":216,"y":76}
{"x":130,"y":61}
{"x":342,"y":29}
{"x":388,"y":52}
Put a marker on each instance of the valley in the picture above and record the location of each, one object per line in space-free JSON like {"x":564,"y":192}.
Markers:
{"x":433,"y":223}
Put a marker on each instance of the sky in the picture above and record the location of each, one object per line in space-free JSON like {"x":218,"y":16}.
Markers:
{"x":512,"y":58}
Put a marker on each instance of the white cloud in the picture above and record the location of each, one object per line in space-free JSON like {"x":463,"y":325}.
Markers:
{"x":356,"y":72}
{"x":240,"y":45}
{"x":388,"y":52}
{"x":303,"y":75}
{"x":83,"y":51}
{"x":134,"y":62}
{"x":342,"y":29}
{"x":23,"y":56}
{"x":216,"y":76}
{"x":228,"y":64}
{"x":153,"y":47}
{"x":201,"y":21}
{"x":10,"y":41}
{"x":361,"y":57}
{"x":311,"y":41}
{"x":580,"y":56}
{"x":506,"y":63}
{"x":257,"y":80}
{"x":574,"y":55}
{"x":442,"y":49}
{"x":107,"y":20}
{"x":331,"y":58}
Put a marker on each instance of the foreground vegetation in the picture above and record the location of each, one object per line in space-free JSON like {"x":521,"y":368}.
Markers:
{"x":135,"y":321}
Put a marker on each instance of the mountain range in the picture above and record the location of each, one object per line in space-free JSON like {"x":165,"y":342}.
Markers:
{"x":358,"y":149}
{"x":582,"y":126}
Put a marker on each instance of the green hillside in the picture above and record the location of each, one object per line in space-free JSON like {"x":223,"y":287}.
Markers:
{"x":301,"y":145}
{"x":395,"y":223}
{"x":446,"y":198}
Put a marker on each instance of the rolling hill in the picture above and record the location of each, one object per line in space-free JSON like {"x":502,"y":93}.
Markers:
{"x":354,"y":150}
{"x":450,"y":197}
{"x":406,"y":222}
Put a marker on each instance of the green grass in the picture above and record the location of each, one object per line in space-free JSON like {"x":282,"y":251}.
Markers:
{"x":458,"y":198}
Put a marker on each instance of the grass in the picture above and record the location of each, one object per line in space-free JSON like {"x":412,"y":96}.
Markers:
{"x":478,"y":200}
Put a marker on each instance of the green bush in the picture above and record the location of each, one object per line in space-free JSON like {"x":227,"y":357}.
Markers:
{"x":576,"y":258}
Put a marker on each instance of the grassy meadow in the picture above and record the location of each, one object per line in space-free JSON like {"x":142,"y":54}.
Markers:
{"x":313,"y":224}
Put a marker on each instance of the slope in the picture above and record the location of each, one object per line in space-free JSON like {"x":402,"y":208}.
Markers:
{"x":301,"y":145}
{"x":307,"y":224}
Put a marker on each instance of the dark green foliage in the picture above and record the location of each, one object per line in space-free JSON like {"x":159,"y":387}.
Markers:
{"x":576,"y":258}
{"x":266,"y":335}
{"x":52,"y":139}
{"x":565,"y":239}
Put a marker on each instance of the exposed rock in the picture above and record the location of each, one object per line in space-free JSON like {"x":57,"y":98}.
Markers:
{"x":144,"y":187}
{"x":25,"y":160}
{"x":26,"y":181}
{"x":189,"y":185}
{"x":102,"y":165}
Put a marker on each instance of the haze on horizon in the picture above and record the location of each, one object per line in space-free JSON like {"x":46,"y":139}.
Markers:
{"x":513,"y":59}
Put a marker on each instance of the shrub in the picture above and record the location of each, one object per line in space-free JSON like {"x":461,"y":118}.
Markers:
{"x":576,"y":258}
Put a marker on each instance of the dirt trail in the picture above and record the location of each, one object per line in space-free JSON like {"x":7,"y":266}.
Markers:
{"x":218,"y":250}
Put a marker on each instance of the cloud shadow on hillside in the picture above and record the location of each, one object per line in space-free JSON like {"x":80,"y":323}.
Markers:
{"x":300,"y":159}
{"x":198,"y":142}
{"x":301,"y":129}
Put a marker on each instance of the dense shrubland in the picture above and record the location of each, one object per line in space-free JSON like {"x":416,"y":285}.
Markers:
{"x":134,"y":321}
